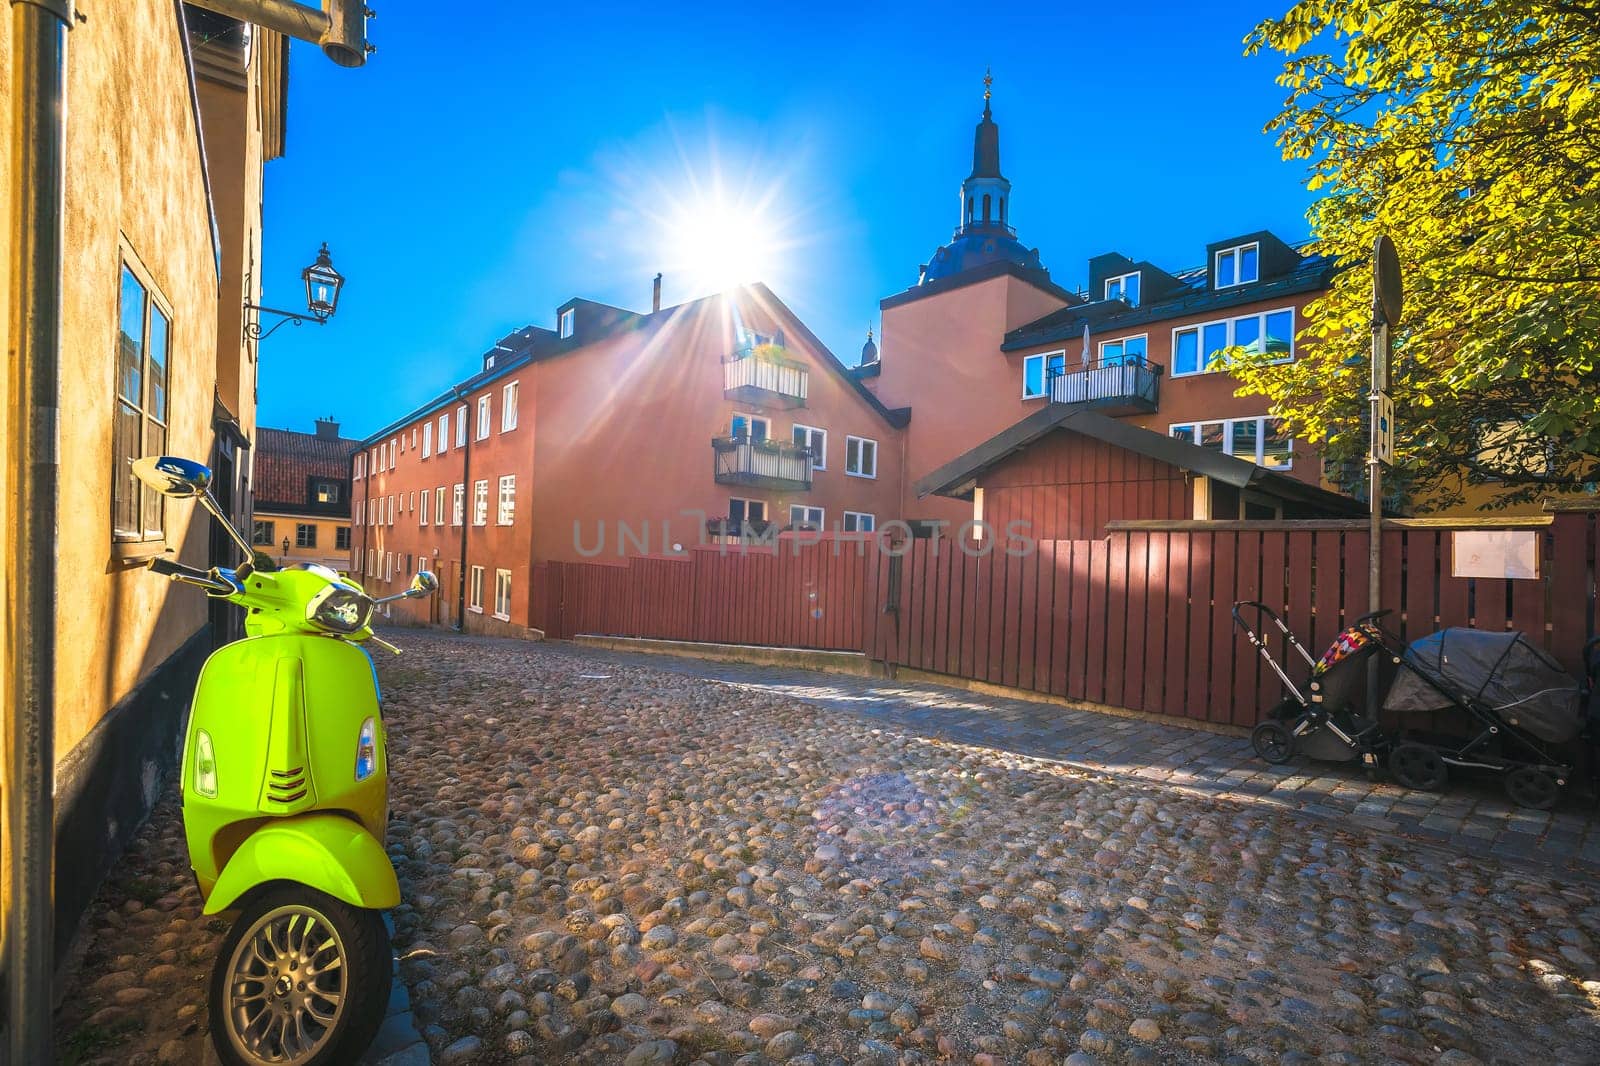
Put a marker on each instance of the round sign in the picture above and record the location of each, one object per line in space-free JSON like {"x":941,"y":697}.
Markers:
{"x":1387,"y":293}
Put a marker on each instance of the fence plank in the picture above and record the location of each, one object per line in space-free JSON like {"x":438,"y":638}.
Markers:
{"x":1572,"y":590}
{"x":1224,"y":591}
{"x":1011,"y":617}
{"x":1202,"y":616}
{"x":1116,"y":618}
{"x":1044,"y":585}
{"x":1246,"y":660}
{"x":1275,"y":594}
{"x":1154,"y":650}
{"x":1028,"y":567}
{"x":1097,"y":580}
{"x":1175,"y":646}
{"x":1060,"y":614}
{"x":1422,"y":583}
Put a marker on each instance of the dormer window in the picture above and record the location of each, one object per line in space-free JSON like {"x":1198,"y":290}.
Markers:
{"x":1236,"y":266}
{"x":568,"y":320}
{"x":1124,"y":287}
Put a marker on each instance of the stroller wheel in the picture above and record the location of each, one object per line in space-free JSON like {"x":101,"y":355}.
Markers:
{"x":1273,"y":742}
{"x":1417,"y":766}
{"x":1530,"y":787}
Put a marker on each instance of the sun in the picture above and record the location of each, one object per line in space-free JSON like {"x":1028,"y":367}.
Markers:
{"x":716,"y":242}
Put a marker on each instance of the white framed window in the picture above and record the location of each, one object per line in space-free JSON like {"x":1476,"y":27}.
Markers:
{"x":388,"y":566}
{"x":752,"y":427}
{"x":357,"y":517}
{"x":815,"y":441}
{"x":508,"y":407}
{"x":461,"y":426}
{"x":860,"y":457}
{"x":1124,"y":350}
{"x":742,"y":510}
{"x":427,"y":499}
{"x":1262,"y":440}
{"x":1124,"y":287}
{"x":394,"y":449}
{"x":483,"y":417}
{"x":427,"y":439}
{"x":372,"y":562}
{"x":1037,"y":370}
{"x":413,"y":506}
{"x":438,"y":504}
{"x":803,"y":517}
{"x":389,"y":511}
{"x":569,"y":320}
{"x":859,"y":522}
{"x":444,"y":432}
{"x":413,"y":438}
{"x":475,"y":590}
{"x":502,"y":595}
{"x":507,"y":511}
{"x":1196,"y":349}
{"x":480,"y":502}
{"x":1236,"y":266}
{"x":460,"y":504}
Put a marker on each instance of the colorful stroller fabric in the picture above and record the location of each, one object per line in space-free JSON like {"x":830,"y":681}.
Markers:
{"x":1346,"y":644}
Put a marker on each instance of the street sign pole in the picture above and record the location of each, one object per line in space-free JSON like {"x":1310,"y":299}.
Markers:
{"x":1387,"y":299}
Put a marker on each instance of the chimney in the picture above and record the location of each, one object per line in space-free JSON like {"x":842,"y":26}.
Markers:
{"x":655,"y":300}
{"x":327,"y":428}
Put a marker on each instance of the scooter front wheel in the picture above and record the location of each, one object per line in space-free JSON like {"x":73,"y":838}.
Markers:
{"x":302,"y":979}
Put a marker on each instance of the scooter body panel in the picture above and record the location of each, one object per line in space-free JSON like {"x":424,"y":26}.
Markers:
{"x":274,"y":734}
{"x":329,"y":852}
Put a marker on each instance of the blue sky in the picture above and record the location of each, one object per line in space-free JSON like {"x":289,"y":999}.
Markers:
{"x":476,"y":174}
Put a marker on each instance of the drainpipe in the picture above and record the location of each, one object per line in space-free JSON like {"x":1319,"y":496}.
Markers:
{"x":38,"y":136}
{"x":340,"y":30}
{"x":466,"y":519}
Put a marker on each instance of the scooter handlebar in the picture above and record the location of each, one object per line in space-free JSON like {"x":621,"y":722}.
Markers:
{"x":191,"y":575}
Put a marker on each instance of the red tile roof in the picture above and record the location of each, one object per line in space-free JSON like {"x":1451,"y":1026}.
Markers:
{"x":285,"y":460}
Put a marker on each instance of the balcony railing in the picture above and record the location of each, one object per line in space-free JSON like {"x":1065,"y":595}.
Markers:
{"x":760,"y":379}
{"x":1121,"y":387}
{"x":767,"y":464}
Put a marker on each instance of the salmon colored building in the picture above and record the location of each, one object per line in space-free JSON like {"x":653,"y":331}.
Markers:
{"x":985,"y":340}
{"x":619,"y":434}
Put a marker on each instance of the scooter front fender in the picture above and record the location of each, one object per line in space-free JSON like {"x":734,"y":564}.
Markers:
{"x":325,"y":851}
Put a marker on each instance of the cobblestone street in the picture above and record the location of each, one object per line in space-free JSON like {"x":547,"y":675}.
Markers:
{"x":616,"y":858}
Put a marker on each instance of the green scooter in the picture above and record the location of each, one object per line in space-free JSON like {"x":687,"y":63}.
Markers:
{"x":285,"y":802}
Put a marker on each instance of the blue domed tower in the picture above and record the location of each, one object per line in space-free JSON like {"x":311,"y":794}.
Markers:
{"x":985,"y":234}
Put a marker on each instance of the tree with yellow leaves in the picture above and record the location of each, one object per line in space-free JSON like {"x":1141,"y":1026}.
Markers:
{"x":1469,"y":131}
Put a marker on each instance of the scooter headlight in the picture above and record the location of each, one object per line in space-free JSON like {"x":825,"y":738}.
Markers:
{"x":205,"y":765}
{"x":367,"y":750}
{"x":343,"y":610}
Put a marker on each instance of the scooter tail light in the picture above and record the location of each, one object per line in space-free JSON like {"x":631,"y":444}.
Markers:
{"x":367,"y":750}
{"x":205,"y":765}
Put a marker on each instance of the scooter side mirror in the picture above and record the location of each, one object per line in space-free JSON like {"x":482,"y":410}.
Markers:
{"x":173,"y":476}
{"x":423,"y":584}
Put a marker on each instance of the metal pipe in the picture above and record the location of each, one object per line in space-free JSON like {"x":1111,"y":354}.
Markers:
{"x":340,"y":30}
{"x":37,"y":194}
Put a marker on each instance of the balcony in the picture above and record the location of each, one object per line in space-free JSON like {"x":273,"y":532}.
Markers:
{"x":760,"y":378}
{"x":763,"y":464}
{"x":1125,"y":387}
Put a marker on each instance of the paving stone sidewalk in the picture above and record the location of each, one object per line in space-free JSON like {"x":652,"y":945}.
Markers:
{"x":1472,"y":816}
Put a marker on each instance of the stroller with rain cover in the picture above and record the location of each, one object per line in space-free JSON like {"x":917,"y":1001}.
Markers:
{"x":1516,"y":702}
{"x":1328,"y":718}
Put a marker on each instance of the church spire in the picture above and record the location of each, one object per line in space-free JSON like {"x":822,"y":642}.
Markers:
{"x":985,"y":193}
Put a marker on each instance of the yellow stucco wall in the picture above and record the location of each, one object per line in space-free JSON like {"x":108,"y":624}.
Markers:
{"x":327,"y":531}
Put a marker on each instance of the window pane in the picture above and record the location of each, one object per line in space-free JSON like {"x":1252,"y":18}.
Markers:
{"x":1133,"y":350}
{"x":130,"y":340}
{"x":852,"y":455}
{"x":1114,"y":289}
{"x":1247,"y":331}
{"x":1184,"y":433}
{"x":1111,"y":354}
{"x":1216,"y":339}
{"x":1058,"y":364}
{"x":736,"y":510}
{"x":157,"y":357}
{"x":1278,"y":445}
{"x":757,"y":510}
{"x":1245,"y":438}
{"x":155,"y":443}
{"x":126,"y":447}
{"x":1280,"y":333}
{"x":1032,"y":381}
{"x":1211,"y":435}
{"x":1186,"y":352}
{"x":1132,"y":289}
{"x":1247,"y":263}
{"x":758,"y":429}
{"x":1224,"y":268}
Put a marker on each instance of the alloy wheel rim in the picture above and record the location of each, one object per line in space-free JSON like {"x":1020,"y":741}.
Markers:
{"x":1418,"y":764}
{"x":286,"y":986}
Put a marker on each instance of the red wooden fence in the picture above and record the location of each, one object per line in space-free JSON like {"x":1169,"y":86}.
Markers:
{"x":803,"y":592}
{"x":1139,"y":619}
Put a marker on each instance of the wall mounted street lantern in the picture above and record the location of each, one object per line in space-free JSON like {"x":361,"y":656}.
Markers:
{"x":323,"y":284}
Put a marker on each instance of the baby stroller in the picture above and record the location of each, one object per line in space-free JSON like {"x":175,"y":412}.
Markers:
{"x":1511,"y":706}
{"x":1329,"y":718}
